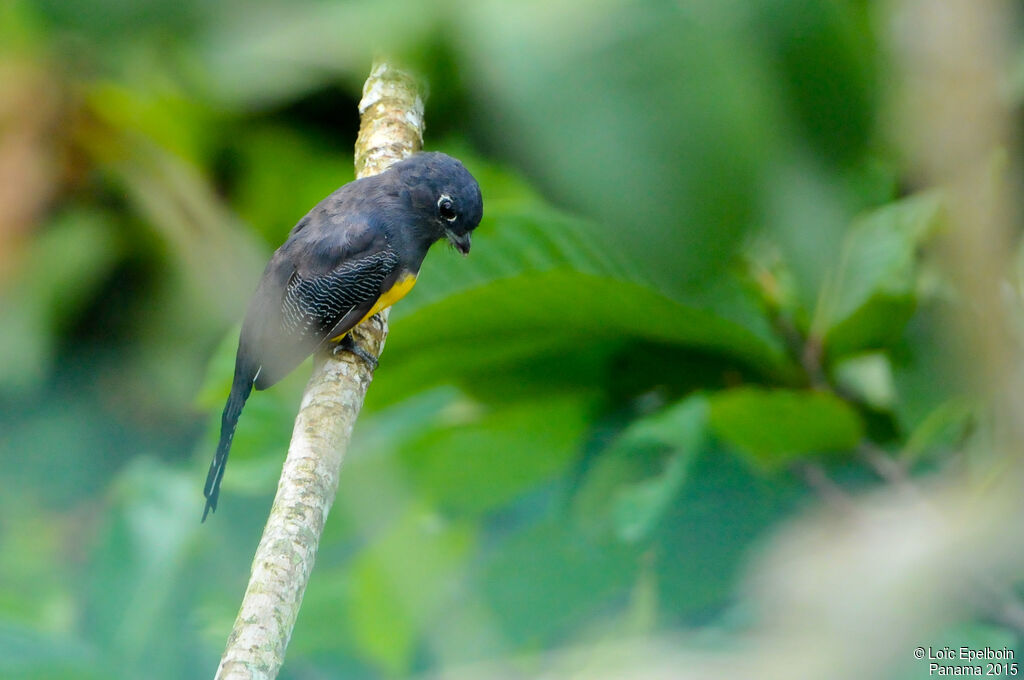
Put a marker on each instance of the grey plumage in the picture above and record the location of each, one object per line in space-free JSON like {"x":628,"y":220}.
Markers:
{"x":336,"y":263}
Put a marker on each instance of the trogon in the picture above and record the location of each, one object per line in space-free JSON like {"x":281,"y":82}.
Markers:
{"x":358,"y":251}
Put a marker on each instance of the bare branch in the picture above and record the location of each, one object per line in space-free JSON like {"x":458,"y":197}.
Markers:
{"x":391,"y":129}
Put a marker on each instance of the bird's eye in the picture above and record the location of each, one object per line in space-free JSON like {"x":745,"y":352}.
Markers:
{"x":446,"y":209}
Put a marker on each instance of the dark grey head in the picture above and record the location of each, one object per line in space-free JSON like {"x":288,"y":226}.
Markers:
{"x":444,"y":195}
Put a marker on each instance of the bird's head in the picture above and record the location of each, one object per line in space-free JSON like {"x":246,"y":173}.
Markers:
{"x":444,"y":195}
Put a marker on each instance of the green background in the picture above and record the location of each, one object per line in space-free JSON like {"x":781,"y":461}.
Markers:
{"x":703,"y":271}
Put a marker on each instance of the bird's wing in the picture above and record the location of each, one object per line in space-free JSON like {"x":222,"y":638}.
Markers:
{"x":317,"y":294}
{"x":317,"y":308}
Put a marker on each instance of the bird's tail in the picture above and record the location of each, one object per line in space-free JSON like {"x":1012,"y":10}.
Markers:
{"x":241,"y":388}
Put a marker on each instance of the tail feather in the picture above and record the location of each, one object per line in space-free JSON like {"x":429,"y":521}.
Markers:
{"x":241,"y":388}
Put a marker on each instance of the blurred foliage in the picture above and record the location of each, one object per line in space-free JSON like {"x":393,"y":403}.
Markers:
{"x":698,"y":273}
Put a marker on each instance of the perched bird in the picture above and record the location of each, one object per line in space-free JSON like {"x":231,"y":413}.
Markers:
{"x":358,"y":251}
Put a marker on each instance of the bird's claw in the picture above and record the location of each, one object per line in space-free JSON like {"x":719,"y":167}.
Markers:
{"x":347,"y":344}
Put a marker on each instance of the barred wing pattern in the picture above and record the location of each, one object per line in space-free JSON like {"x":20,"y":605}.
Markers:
{"x":313,"y":307}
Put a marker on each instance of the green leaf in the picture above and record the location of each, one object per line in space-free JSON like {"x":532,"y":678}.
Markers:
{"x":483,"y":460}
{"x":709,"y":530}
{"x":876,"y":324}
{"x":381,"y":626}
{"x":168,"y":117}
{"x":871,"y":293}
{"x":280,"y":53}
{"x":681,"y":428}
{"x":639,"y":506}
{"x":827,"y":57}
{"x":944,"y":427}
{"x":551,"y":312}
{"x":282,"y":175}
{"x":674,"y":178}
{"x":775,"y":427}
{"x":519,"y":234}
{"x":65,"y":264}
{"x":629,"y":486}
{"x":141,"y":574}
{"x":928,"y":365}
{"x":869,"y":377}
{"x":550,"y":576}
{"x":26,"y":653}
{"x":392,"y":603}
{"x":539,"y":283}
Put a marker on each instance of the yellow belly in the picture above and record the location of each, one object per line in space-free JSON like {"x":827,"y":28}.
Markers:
{"x":390,"y":297}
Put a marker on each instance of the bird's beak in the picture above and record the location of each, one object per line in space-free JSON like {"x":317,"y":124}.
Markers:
{"x":461,"y":243}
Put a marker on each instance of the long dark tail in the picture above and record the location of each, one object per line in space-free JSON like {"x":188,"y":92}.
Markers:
{"x":241,"y":388}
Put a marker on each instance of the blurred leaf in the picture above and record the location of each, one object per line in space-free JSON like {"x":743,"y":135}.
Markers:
{"x":111,"y":23}
{"x":534,"y":468}
{"x":806,"y":219}
{"x":219,"y":371}
{"x":700,"y":546}
{"x":775,"y":427}
{"x":20,"y":27}
{"x":675,"y":96}
{"x":482,"y":461}
{"x":72,"y":433}
{"x":868,"y":377}
{"x":282,"y":51}
{"x":218,"y":261}
{"x":827,"y":58}
{"x":25,"y":653}
{"x":282,"y":174}
{"x":520,"y":234}
{"x":871,"y":295}
{"x":633,"y":482}
{"x":508,"y":315}
{"x":140,"y":571}
{"x":928,"y":365}
{"x":620,"y":468}
{"x":35,"y":557}
{"x":540,"y":284}
{"x":66,"y":264}
{"x":876,"y":325}
{"x":681,"y":427}
{"x":391,"y":603}
{"x":176,"y":123}
{"x":382,"y":627}
{"x":944,"y":428}
{"x":548,"y":577}
{"x":639,"y":506}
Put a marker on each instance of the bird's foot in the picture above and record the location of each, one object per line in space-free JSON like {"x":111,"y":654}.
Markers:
{"x":347,"y":344}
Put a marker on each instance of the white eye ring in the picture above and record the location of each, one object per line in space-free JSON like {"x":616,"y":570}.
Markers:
{"x":444,"y":205}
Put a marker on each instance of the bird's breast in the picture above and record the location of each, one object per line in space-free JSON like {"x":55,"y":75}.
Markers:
{"x":398,"y":291}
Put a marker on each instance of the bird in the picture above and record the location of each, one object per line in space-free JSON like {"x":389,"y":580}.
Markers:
{"x":355,"y":253}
